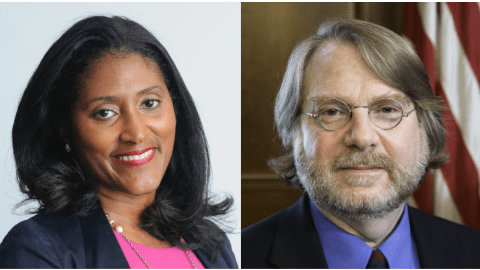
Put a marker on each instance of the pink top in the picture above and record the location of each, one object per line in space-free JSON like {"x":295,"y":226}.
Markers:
{"x":157,"y":258}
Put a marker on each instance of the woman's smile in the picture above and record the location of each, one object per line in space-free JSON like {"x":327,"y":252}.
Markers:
{"x":136,"y":158}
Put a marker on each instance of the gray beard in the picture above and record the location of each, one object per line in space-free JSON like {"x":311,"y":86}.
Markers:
{"x":318,"y":181}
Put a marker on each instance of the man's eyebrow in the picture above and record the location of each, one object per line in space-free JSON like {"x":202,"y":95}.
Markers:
{"x":396,"y":96}
{"x":321,"y":98}
{"x":112,"y":98}
{"x":402,"y":99}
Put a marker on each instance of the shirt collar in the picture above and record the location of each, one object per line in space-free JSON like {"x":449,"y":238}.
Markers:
{"x":344,"y":250}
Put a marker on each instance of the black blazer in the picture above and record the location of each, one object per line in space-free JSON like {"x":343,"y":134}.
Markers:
{"x":289,"y":239}
{"x":51,"y":241}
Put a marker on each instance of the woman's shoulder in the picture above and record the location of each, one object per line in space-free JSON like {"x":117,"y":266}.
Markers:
{"x":49,"y":227}
{"x":226,"y":260}
{"x":40,"y":242}
{"x":228,"y":255}
{"x":48,"y":221}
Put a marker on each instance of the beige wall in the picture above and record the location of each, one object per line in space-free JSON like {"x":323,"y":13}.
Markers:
{"x":270,"y":31}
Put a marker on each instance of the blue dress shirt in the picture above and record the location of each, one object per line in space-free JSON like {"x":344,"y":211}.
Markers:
{"x":345,"y":250}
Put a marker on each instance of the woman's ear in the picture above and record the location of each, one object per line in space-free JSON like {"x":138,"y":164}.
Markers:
{"x":61,"y":132}
{"x":63,"y":136}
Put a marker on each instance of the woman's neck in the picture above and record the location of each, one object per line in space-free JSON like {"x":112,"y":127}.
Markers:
{"x":124,"y":209}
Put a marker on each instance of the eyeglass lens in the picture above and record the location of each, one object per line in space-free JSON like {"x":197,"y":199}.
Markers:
{"x":334,"y":114}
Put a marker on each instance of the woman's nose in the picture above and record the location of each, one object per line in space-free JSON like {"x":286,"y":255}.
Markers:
{"x":134,"y":127}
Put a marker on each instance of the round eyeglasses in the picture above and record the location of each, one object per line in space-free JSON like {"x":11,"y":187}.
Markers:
{"x":333,"y":114}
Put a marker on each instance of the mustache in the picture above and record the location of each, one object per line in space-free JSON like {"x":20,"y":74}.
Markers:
{"x":353,"y":158}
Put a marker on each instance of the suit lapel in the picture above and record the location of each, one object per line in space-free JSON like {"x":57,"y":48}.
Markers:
{"x":101,"y":247}
{"x":296,"y":243}
{"x":428,"y":241}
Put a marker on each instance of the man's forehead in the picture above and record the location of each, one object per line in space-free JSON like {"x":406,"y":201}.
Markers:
{"x":337,"y":70}
{"x":334,"y":60}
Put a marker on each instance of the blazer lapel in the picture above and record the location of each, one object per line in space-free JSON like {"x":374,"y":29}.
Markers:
{"x":219,"y":264}
{"x":103,"y":251}
{"x":101,"y":247}
{"x":428,"y":241}
{"x":296,"y":244}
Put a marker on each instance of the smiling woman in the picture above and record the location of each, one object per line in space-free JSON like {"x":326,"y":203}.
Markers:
{"x":108,"y":140}
{"x":124,"y":125}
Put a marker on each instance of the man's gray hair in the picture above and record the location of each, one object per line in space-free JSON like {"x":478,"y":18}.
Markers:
{"x":387,"y":55}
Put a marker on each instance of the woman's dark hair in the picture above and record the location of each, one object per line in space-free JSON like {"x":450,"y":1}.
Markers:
{"x":56,"y":179}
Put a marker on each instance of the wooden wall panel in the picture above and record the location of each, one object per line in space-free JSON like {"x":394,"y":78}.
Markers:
{"x":262,"y":198}
{"x":387,"y":14}
{"x":270,"y":31}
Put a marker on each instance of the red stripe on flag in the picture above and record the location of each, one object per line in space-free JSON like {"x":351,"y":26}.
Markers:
{"x":413,"y":30}
{"x":466,"y":17}
{"x":460,"y":173}
{"x":424,"y":195}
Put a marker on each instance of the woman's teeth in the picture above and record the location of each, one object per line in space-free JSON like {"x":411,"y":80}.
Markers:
{"x":136,"y":157}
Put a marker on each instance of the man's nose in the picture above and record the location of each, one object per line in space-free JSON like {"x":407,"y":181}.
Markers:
{"x":134,"y":127}
{"x":362,"y":133}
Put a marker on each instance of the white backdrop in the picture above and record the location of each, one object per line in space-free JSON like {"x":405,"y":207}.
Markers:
{"x":202,"y":38}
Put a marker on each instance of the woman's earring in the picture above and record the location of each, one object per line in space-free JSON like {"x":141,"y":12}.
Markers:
{"x":67,"y":148}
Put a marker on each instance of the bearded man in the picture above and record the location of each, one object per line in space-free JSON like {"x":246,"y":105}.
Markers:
{"x":360,"y":127}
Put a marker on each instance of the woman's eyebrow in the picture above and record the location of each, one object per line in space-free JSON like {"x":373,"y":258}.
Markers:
{"x":109,"y":98}
{"x":112,"y":98}
{"x":148,"y":89}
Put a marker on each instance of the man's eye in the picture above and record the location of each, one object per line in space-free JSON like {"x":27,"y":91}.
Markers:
{"x":151,"y":103}
{"x":388,"y":109}
{"x":331,"y":112}
{"x":105,"y":113}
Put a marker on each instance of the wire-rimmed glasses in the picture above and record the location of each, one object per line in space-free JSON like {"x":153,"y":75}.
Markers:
{"x":333,"y":114}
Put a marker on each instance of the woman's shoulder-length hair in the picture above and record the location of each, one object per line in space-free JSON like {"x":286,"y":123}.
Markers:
{"x":48,"y":174}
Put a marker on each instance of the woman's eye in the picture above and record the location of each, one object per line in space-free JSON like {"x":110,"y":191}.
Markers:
{"x":105,"y":113}
{"x":151,"y":103}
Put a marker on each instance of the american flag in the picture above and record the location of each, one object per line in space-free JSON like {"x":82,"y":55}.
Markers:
{"x":446,"y":36}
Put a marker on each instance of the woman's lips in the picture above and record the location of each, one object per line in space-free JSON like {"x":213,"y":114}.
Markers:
{"x":136,"y":158}
{"x":136,"y":152}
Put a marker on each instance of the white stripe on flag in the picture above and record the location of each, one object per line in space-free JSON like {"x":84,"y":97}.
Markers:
{"x":428,"y":13}
{"x":460,"y":84}
{"x":443,"y":204}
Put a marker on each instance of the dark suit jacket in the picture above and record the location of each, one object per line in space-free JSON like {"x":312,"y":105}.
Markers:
{"x":51,"y":241}
{"x":289,"y":239}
